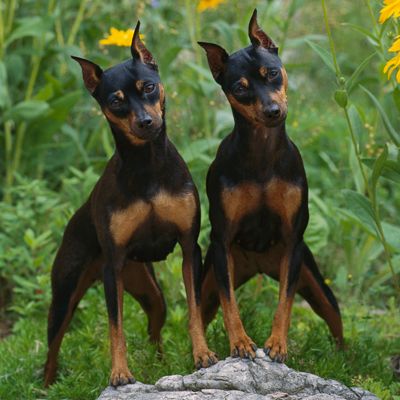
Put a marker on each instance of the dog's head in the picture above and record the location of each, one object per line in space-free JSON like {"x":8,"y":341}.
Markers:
{"x":130,"y":94}
{"x":253,"y":79}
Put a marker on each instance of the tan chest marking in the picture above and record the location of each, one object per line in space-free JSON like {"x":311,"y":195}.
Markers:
{"x":179,"y":210}
{"x":280,"y":196}
{"x":283,"y":198}
{"x":124,"y":222}
{"x":241,"y":200}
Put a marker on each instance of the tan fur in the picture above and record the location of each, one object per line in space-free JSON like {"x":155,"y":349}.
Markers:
{"x":162,"y":95}
{"x":283,"y":198}
{"x":285,"y":79}
{"x":250,"y":111}
{"x":120,"y":94}
{"x":120,"y":372}
{"x":124,"y":124}
{"x":125,"y":222}
{"x":263,"y":71}
{"x":244,"y":82}
{"x":241,"y":200}
{"x":238,"y":339}
{"x":139,"y":85}
{"x":179,"y":210}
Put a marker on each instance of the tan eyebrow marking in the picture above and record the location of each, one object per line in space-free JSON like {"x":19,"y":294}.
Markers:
{"x":244,"y":82}
{"x":263,"y":71}
{"x":120,"y":94}
{"x":139,"y":85}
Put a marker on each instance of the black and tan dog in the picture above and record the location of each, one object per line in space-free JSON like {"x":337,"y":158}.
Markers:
{"x":143,"y":204}
{"x":257,"y":189}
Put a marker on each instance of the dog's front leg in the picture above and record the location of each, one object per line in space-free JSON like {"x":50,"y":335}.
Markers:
{"x":289,"y":271}
{"x":223,"y":263}
{"x":192,"y":273}
{"x":114,"y":290}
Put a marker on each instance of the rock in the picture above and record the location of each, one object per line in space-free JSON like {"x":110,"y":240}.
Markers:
{"x":236,"y":379}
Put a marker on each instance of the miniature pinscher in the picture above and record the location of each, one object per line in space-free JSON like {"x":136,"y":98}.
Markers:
{"x":143,"y":204}
{"x":258,"y":195}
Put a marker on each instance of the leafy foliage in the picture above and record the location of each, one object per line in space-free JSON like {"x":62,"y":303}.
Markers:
{"x":343,"y":115}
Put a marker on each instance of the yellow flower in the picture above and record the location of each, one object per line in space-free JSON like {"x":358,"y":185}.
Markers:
{"x":392,"y":8}
{"x":391,"y":65}
{"x":119,"y":38}
{"x":327,"y":281}
{"x":206,"y":4}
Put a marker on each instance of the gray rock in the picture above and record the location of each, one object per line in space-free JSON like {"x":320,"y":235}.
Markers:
{"x":236,"y":379}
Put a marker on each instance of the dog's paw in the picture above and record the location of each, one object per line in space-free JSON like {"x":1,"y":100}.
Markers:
{"x":275,"y":347}
{"x":204,"y":359}
{"x":244,"y":347}
{"x":120,"y":377}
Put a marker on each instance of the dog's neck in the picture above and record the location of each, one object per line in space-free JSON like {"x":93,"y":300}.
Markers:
{"x":258,"y":143}
{"x":137,"y":158}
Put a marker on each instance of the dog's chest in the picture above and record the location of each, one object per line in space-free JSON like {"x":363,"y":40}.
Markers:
{"x":153,"y":226}
{"x":258,"y":202}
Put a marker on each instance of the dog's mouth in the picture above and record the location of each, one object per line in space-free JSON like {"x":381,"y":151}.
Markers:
{"x":147,"y":135}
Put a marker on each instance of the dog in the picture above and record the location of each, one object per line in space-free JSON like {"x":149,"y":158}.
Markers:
{"x":143,"y":204}
{"x":258,"y":195}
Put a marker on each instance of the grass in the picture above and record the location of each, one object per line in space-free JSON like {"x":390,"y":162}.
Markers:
{"x":372,"y":337}
{"x":53,"y":149}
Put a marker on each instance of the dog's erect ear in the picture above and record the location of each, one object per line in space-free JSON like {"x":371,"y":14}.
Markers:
{"x":258,"y":37}
{"x":91,"y":73}
{"x":139,"y":50}
{"x":216,"y":57}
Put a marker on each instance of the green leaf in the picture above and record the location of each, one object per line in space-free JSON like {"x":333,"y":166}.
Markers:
{"x":363,"y":31}
{"x":392,"y":235}
{"x":361,"y":209}
{"x":27,"y":110}
{"x":30,"y":26}
{"x":394,"y":135}
{"x":391,"y":168}
{"x":352,"y":81}
{"x":325,"y":55}
{"x":378,"y":167}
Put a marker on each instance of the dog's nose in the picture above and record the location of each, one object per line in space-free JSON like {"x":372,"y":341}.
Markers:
{"x":272,"y":111}
{"x":145,"y":122}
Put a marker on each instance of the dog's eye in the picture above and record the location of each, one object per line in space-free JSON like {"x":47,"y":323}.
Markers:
{"x":149,"y":88}
{"x":115,"y":102}
{"x":239,"y":89}
{"x":272,"y":74}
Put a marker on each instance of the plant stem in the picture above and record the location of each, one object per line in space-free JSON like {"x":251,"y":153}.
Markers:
{"x":331,"y":42}
{"x":10,"y":16}
{"x":1,"y":33}
{"x":77,"y":23}
{"x":357,"y":150}
{"x":292,"y":10}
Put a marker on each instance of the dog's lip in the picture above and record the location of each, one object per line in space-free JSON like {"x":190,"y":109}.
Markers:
{"x":149,"y":136}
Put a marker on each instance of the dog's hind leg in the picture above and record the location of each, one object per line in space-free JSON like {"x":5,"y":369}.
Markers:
{"x":74,"y":271}
{"x":317,"y":293}
{"x":140,"y":281}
